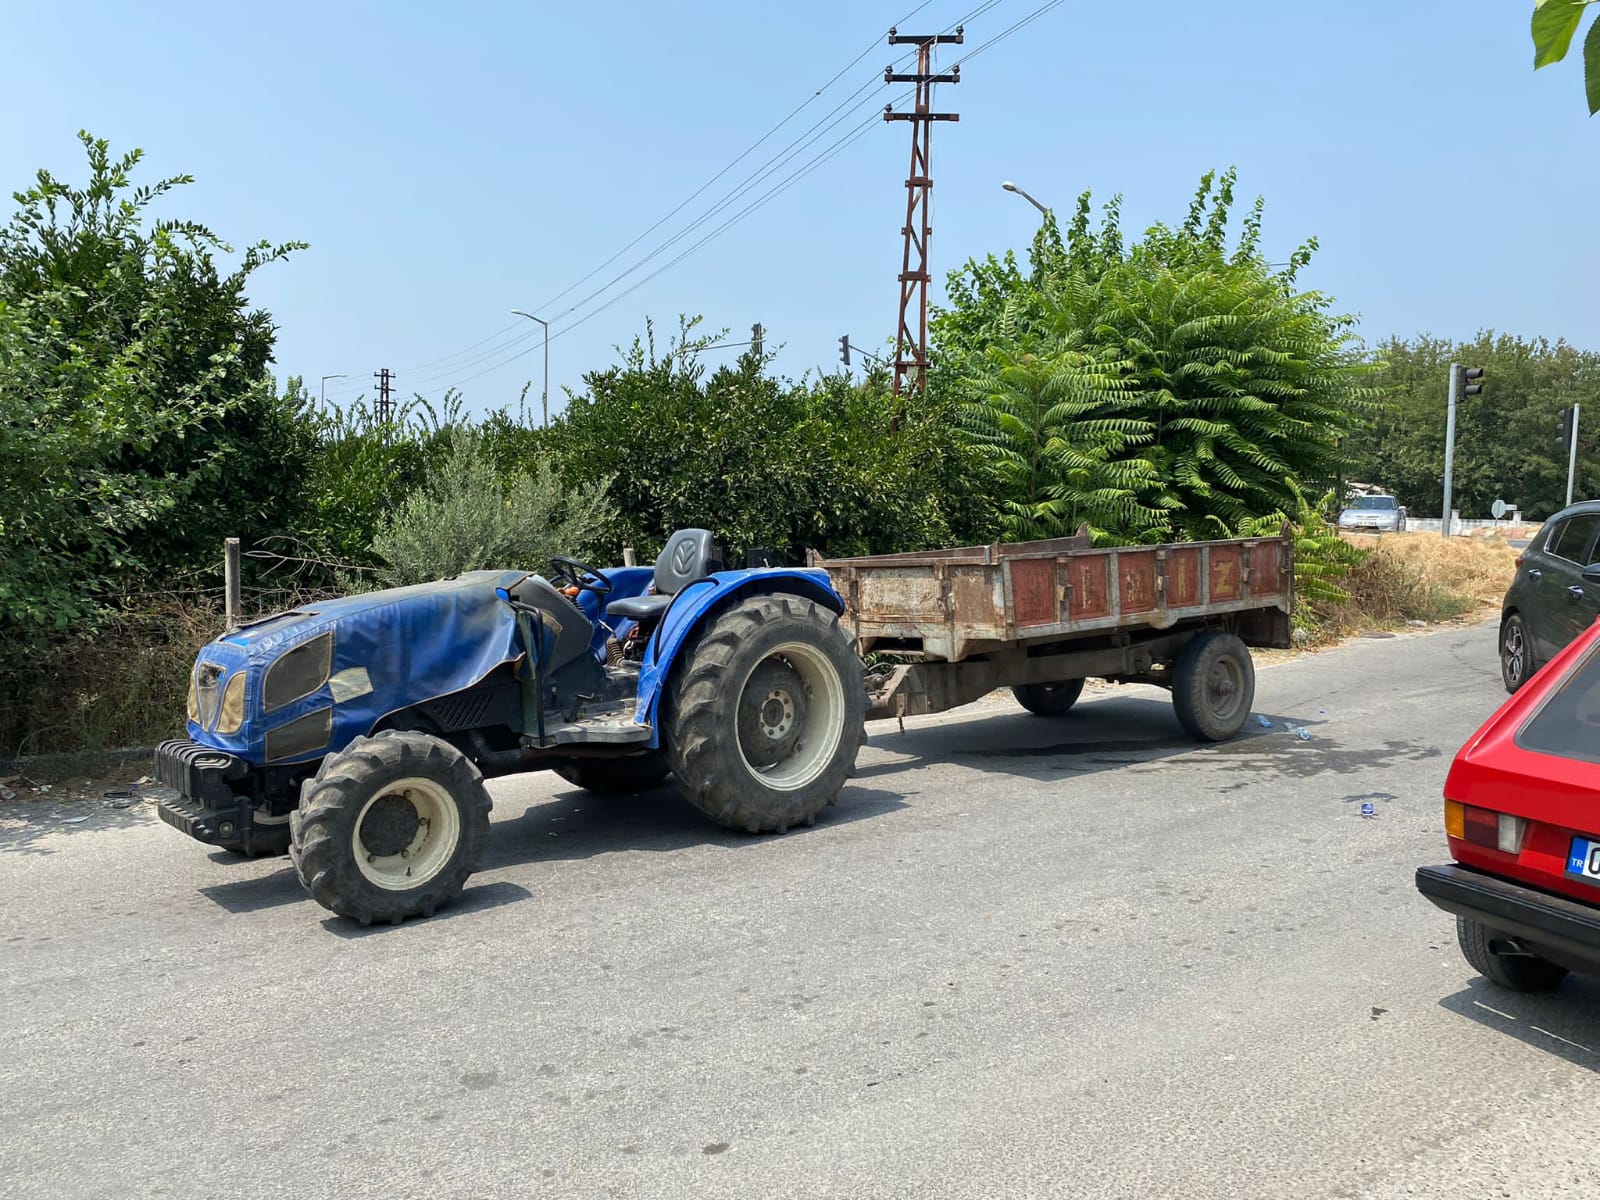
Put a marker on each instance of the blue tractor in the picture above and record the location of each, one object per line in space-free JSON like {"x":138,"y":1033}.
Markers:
{"x":356,"y":734}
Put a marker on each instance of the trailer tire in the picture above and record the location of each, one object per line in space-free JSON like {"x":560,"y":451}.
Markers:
{"x":390,"y":827}
{"x":615,"y":776}
{"x":1519,"y":973}
{"x":1049,"y":699}
{"x":765,"y":713}
{"x":1213,"y":685}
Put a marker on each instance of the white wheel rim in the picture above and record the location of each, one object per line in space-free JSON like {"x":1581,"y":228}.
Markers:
{"x":821,"y":723}
{"x":433,"y":840}
{"x":263,"y":816}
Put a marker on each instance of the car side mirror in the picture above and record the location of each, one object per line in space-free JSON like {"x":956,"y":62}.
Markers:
{"x":1591,"y":573}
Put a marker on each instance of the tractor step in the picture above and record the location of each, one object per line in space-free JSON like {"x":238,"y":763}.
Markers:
{"x":602,"y":725}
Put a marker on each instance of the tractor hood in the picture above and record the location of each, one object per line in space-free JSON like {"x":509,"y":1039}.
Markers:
{"x":280,"y":690}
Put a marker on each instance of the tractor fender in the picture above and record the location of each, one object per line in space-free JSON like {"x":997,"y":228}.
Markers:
{"x":697,"y":601}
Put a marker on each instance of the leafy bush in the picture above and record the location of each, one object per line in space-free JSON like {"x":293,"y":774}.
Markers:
{"x":467,"y":517}
{"x":1155,"y":389}
{"x":1322,"y":558}
{"x":138,"y":424}
{"x":765,"y":462}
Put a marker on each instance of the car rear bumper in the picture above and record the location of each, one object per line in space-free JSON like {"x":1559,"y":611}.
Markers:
{"x":206,"y":807}
{"x":1563,"y":930}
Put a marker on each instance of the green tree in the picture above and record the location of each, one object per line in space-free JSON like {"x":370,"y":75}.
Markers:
{"x":764,"y":462}
{"x":1506,"y":438}
{"x":1554,"y":24}
{"x":138,"y":422}
{"x":1173,"y":387}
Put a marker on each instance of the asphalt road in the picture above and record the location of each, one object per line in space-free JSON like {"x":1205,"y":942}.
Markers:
{"x":1021,"y":958}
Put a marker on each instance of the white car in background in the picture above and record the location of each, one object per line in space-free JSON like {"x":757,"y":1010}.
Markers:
{"x":1380,"y":514}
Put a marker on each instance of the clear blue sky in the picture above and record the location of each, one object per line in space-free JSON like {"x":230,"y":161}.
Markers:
{"x":449,"y":163}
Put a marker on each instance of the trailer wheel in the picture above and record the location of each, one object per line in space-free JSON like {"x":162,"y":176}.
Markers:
{"x":1519,"y":972}
{"x":765,"y":713}
{"x":1049,"y":699}
{"x":615,"y":776}
{"x":390,"y":828}
{"x":1213,"y":685}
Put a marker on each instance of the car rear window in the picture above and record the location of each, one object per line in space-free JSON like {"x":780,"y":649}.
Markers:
{"x":1567,"y":724}
{"x":1571,"y":539}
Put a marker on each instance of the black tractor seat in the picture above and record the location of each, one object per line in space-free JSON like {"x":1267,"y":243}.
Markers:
{"x":690,"y":554}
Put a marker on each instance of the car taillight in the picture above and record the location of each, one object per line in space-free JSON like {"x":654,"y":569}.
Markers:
{"x":1519,"y":560}
{"x":1485,"y":827}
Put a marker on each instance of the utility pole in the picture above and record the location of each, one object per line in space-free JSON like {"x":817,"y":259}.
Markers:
{"x":911,"y":349}
{"x":385,"y":405}
{"x":755,"y":339}
{"x":1463,"y":380}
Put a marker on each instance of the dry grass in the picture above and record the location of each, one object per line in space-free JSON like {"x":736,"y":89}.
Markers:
{"x":1409,"y":577}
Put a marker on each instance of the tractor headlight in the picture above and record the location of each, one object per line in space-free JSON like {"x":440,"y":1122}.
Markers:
{"x":194,"y":698}
{"x":231,"y":718}
{"x":298,"y":673}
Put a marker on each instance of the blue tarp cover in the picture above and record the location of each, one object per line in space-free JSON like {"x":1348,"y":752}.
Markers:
{"x":391,"y":649}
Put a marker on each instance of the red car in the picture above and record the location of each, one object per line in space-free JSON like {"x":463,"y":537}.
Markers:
{"x":1522,"y":811}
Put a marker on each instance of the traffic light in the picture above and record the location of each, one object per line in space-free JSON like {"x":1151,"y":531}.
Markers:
{"x":1468,"y":384}
{"x":1566,"y":428}
{"x":844,"y":349}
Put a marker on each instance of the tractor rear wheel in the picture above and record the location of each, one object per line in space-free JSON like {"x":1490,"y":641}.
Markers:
{"x":765,"y":713}
{"x":390,"y":827}
{"x":615,"y":776}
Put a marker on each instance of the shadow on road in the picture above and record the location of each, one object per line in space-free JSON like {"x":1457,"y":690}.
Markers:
{"x":1125,"y":731}
{"x":25,"y":824}
{"x":1565,"y":1022}
{"x":570,"y":825}
{"x":578,"y":824}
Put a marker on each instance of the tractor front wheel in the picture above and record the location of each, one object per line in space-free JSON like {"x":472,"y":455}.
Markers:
{"x":390,"y":827}
{"x":765,"y":714}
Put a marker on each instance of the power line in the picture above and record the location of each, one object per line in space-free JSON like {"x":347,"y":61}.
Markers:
{"x":773,"y":164}
{"x":800,"y":173}
{"x":735,"y":162}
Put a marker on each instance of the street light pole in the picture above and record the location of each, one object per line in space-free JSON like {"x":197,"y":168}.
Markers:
{"x":1011,"y":187}
{"x":544,"y":396}
{"x":325,"y":379}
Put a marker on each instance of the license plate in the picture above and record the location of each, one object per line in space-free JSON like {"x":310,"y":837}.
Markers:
{"x":1583,"y":861}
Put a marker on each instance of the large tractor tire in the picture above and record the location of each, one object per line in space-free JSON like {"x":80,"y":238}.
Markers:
{"x":615,"y":776}
{"x":390,"y":828}
{"x":1213,"y":685}
{"x":765,"y":713}
{"x":1049,"y":699}
{"x":268,"y":837}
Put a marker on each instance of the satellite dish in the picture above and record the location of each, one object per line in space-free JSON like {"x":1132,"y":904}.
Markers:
{"x":1499,"y":509}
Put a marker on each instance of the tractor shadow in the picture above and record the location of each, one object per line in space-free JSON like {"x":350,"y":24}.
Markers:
{"x":575,"y":824}
{"x":1118,"y":731}
{"x":1565,"y":1022}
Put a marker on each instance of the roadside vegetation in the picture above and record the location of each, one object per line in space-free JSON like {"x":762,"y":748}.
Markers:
{"x":1166,"y":385}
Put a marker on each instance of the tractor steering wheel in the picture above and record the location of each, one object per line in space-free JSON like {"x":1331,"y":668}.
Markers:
{"x":580,"y":575}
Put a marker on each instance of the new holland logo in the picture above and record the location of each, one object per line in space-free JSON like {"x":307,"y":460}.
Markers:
{"x":683,"y":557}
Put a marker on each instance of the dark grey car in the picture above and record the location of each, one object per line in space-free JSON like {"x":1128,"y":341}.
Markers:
{"x":1555,"y":595}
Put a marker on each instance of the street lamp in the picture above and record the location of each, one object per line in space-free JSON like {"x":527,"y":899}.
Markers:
{"x":325,"y":379}
{"x":544,"y":397}
{"x":1011,"y":187}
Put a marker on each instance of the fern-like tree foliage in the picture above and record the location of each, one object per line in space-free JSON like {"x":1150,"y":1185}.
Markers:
{"x":1172,"y":388}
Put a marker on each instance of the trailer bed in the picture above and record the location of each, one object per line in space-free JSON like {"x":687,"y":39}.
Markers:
{"x":974,"y":600}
